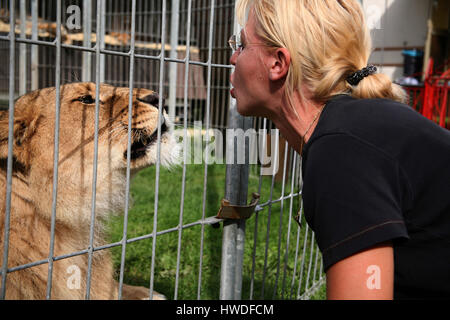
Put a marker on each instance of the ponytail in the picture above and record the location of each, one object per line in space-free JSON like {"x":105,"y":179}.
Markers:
{"x":378,"y":86}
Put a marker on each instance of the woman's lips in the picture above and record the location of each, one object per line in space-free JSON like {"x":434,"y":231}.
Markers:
{"x":232,"y":87}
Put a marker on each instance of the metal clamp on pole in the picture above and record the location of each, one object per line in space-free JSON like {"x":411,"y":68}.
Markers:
{"x":228,"y":211}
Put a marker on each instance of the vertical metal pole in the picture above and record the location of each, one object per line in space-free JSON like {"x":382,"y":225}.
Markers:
{"x":280,"y":225}
{"x":316,"y":248}
{"x":303,"y":260}
{"x":34,"y":48}
{"x":293,"y":163}
{"x":130,"y":120}
{"x":274,"y":151}
{"x":296,"y":172}
{"x":56,"y":147}
{"x":158,"y":152}
{"x":95,"y":164}
{"x":310,"y":262}
{"x":183,"y":185}
{"x":23,"y":50}
{"x":102,"y":41}
{"x":255,"y":232}
{"x":174,"y":27}
{"x":12,"y":57}
{"x":207,"y":117}
{"x":321,"y":269}
{"x":236,"y":192}
{"x":234,"y":231}
{"x":86,"y":66}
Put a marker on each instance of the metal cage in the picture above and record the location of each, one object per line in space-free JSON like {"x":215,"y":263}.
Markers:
{"x":178,"y":48}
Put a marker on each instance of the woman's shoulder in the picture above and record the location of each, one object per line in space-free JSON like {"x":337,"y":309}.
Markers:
{"x":386,"y":124}
{"x":344,"y":113}
{"x":348,"y":106}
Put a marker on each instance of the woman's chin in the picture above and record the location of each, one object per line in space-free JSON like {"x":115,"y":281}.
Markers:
{"x":242,"y":110}
{"x":250,"y":111}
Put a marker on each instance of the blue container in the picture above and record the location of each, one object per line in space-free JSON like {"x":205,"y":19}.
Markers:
{"x":413,"y":63}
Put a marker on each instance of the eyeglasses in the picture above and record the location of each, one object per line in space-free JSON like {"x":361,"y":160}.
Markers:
{"x":236,"y":44}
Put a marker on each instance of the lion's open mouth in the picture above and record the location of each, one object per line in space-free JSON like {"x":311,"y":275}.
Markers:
{"x":143,"y":142}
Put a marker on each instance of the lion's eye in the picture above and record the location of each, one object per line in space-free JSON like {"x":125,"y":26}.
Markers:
{"x":87,"y":99}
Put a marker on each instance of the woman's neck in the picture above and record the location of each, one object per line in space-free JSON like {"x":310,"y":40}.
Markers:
{"x":294,"y":124}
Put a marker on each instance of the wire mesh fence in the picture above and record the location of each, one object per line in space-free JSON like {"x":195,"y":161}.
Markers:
{"x":169,"y":238}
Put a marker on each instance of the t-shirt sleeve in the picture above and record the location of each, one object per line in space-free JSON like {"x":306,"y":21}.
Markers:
{"x":352,"y":196}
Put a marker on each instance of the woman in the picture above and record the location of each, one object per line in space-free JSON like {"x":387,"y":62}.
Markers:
{"x":376,"y":174}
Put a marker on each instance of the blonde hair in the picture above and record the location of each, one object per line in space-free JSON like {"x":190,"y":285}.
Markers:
{"x":327,"y":40}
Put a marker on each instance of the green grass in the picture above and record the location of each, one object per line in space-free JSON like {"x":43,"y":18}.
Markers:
{"x":140,"y":222}
{"x":321,"y":294}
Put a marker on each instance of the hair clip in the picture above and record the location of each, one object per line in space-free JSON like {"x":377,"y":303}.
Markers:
{"x":357,"y":76}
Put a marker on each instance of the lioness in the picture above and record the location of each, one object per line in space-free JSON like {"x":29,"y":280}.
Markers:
{"x":32,"y":183}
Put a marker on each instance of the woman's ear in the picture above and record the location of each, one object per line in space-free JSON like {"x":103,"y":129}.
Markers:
{"x":280,"y":62}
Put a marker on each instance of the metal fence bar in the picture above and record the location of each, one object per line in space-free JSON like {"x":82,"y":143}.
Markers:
{"x":240,"y":242}
{"x":122,"y":6}
{"x":12,"y":60}
{"x":185,"y":141}
{"x":234,"y":231}
{"x":109,"y":16}
{"x":158,"y":161}
{"x":174,"y":30}
{"x":303,"y":261}
{"x":95,"y":164}
{"x":267,"y":203}
{"x":205,"y":173}
{"x":321,"y":268}
{"x":101,"y":40}
{"x":86,"y":67}
{"x":315,"y":263}
{"x":34,"y":48}
{"x":220,"y":118}
{"x":23,"y":50}
{"x":307,"y":295}
{"x":310,"y":261}
{"x":255,"y":238}
{"x":130,"y":119}
{"x":255,"y":231}
{"x":209,"y":221}
{"x":56,"y":146}
{"x":316,"y":284}
{"x":236,"y":186}
{"x":280,"y":228}
{"x":246,"y":123}
{"x":269,"y":214}
{"x":291,"y":203}
{"x":115,"y":53}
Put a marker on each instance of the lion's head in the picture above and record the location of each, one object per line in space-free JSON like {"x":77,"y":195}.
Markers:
{"x":33,"y":146}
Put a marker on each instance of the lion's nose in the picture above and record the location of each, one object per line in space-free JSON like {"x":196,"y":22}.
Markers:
{"x":152,"y":99}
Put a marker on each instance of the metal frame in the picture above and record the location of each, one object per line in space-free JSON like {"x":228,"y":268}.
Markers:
{"x":237,"y":175}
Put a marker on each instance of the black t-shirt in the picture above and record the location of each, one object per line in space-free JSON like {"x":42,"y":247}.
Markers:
{"x":375,"y":170}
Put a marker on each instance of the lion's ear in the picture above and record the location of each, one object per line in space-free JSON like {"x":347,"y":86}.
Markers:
{"x":25,"y":122}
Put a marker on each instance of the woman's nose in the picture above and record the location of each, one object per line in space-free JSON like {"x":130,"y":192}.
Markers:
{"x":233,"y":58}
